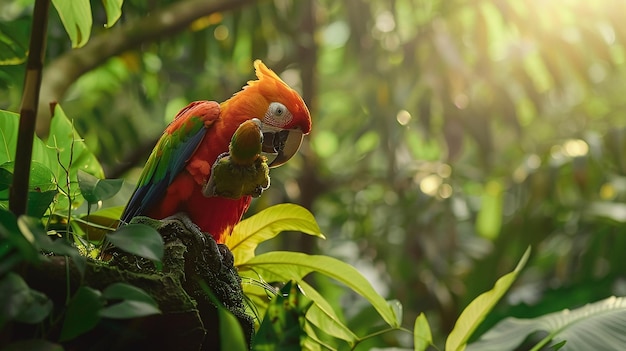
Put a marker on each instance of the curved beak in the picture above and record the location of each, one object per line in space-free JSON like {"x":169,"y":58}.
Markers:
{"x":279,"y":145}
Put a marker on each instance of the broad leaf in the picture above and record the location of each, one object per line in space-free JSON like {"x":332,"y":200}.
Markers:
{"x":597,"y":326}
{"x":322,"y":315}
{"x":68,"y":154}
{"x":96,"y":225}
{"x":32,"y":227}
{"x":76,"y":18}
{"x":42,"y":186}
{"x":128,"y":309}
{"x":282,"y":327}
{"x":19,"y":302}
{"x":14,"y":41}
{"x":284,"y":266}
{"x":82,"y":313}
{"x":15,"y":244}
{"x":230,"y":329}
{"x":422,"y":336}
{"x":113,"y":9}
{"x":231,"y":333}
{"x":41,"y":177}
{"x":125,"y":291}
{"x":249,"y":233}
{"x":140,"y":240}
{"x":39,"y":202}
{"x":9,"y":123}
{"x":95,"y":189}
{"x":477,"y":310}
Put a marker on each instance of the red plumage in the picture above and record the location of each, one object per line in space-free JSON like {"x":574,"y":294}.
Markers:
{"x":181,"y":162}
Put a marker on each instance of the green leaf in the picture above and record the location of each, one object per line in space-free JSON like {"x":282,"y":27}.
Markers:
{"x":15,"y":245}
{"x":282,"y":327}
{"x":230,"y":329}
{"x":249,"y":233}
{"x":95,"y":189}
{"x":41,"y":177}
{"x":68,"y":154}
{"x":489,"y":219}
{"x":96,"y":225}
{"x":82,"y":313}
{"x":322,"y":315}
{"x":113,"y":9}
{"x":231,"y":333}
{"x":396,"y":306}
{"x":110,"y":213}
{"x":42,"y":186}
{"x":33,"y":345}
{"x":32,"y":227}
{"x":138,"y":239}
{"x":597,"y":326}
{"x":284,"y":266}
{"x":9,"y":123}
{"x":39,"y":202}
{"x":76,"y":18}
{"x":6,"y":179}
{"x":125,"y":291}
{"x":20,"y":303}
{"x":14,"y":41}
{"x":477,"y":310}
{"x":422,"y":336}
{"x":128,"y":309}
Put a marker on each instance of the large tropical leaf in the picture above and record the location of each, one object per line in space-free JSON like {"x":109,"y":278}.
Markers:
{"x":249,"y":233}
{"x":322,"y":315}
{"x":422,"y":336}
{"x":477,"y":310}
{"x":68,"y":153}
{"x":76,"y":18}
{"x":284,"y":266}
{"x":596,"y":326}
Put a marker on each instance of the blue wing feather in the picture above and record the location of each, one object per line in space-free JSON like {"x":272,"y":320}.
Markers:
{"x":153,"y":191}
{"x":170,"y":163}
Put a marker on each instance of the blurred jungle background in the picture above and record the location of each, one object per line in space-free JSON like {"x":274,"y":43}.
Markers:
{"x":448,"y":136}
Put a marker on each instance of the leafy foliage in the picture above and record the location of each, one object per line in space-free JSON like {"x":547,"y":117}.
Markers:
{"x":599,"y":325}
{"x":55,"y":164}
{"x":265,"y":225}
{"x":448,"y":137}
{"x":138,"y":239}
{"x":478,"y":309}
{"x":422,"y":337}
{"x":77,"y":19}
{"x":20,"y":303}
{"x":283,"y":326}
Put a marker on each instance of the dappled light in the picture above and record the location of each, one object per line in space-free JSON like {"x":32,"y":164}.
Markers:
{"x":447,"y":136}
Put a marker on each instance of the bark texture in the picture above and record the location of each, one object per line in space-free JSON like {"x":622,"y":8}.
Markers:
{"x":192,"y":262}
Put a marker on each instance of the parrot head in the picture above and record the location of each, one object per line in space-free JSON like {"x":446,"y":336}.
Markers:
{"x":284,"y":117}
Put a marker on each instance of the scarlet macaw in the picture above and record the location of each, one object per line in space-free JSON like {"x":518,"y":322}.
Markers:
{"x":180,"y":165}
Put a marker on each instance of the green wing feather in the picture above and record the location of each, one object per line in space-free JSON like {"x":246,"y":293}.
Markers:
{"x":170,"y":155}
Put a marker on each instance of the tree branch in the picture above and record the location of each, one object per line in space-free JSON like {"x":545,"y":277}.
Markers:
{"x":64,"y":71}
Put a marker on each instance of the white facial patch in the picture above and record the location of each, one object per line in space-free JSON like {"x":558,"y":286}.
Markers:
{"x":277,"y":115}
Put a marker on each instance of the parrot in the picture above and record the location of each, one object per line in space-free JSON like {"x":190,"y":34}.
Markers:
{"x":242,"y":170}
{"x":174,"y":179}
